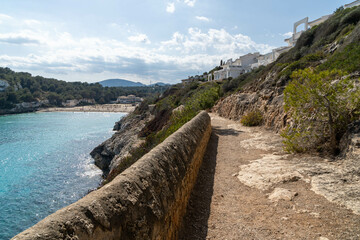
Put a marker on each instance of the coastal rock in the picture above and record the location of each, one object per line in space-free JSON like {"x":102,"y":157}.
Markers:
{"x":3,"y":85}
{"x":109,"y":153}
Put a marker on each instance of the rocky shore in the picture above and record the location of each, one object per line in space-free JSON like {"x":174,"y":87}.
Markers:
{"x":110,"y":153}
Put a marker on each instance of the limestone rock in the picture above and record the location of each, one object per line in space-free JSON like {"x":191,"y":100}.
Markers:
{"x":3,"y":85}
{"x":109,"y":153}
{"x":264,"y":173}
{"x":264,"y":94}
{"x":282,"y":194}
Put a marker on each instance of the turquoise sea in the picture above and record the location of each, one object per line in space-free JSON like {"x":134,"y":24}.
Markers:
{"x":45,"y":163}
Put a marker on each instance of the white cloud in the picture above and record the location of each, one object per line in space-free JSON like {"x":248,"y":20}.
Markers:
{"x":20,"y":38}
{"x":202,"y":18}
{"x":287,"y":35}
{"x":213,"y":42}
{"x":4,"y":17}
{"x":190,"y":3}
{"x":170,"y":8}
{"x":32,"y":22}
{"x":60,"y":54}
{"x":141,"y":38}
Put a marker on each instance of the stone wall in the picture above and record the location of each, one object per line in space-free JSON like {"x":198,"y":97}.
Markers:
{"x":146,"y":201}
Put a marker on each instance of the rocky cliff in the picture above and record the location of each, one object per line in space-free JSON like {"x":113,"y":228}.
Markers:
{"x":264,"y":94}
{"x":109,"y":154}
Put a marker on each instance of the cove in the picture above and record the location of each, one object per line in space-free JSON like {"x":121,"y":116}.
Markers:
{"x":45,"y":163}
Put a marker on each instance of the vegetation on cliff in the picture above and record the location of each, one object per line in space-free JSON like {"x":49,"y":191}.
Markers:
{"x":321,"y":106}
{"x":317,"y":80}
{"x":322,"y":98}
{"x":173,"y":109}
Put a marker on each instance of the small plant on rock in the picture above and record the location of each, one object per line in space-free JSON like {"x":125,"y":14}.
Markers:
{"x":251,"y":119}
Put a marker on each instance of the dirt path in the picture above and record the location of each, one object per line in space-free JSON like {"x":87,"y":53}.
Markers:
{"x":249,"y":189}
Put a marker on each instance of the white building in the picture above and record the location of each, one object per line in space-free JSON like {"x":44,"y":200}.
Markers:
{"x":246,"y":60}
{"x":229,"y":71}
{"x":319,"y":20}
{"x":250,"y":61}
{"x":236,"y":68}
{"x":353,"y":4}
{"x":296,"y":35}
{"x":130,"y":99}
{"x":71,"y":103}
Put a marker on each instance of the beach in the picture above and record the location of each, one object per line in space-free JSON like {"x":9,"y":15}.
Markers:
{"x":93,"y":108}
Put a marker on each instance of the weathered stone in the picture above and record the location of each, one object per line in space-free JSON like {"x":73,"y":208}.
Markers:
{"x":265,"y":95}
{"x":109,"y":153}
{"x":264,"y":173}
{"x":3,"y":85}
{"x":282,"y":194}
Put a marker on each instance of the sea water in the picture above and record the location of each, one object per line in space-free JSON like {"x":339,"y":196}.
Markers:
{"x":45,"y":163}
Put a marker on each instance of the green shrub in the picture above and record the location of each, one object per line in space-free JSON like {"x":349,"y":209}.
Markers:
{"x":346,"y":60}
{"x":321,"y":105}
{"x":251,"y":119}
{"x":352,"y":17}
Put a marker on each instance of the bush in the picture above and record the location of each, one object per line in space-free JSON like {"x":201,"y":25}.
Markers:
{"x":347,"y":60}
{"x":251,"y":119}
{"x":321,"y":105}
{"x":352,"y":17}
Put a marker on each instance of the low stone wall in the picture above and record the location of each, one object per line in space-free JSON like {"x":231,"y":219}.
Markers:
{"x":147,"y":201}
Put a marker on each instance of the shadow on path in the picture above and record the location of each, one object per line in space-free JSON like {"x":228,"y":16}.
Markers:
{"x":226,"y":132}
{"x":195,"y":222}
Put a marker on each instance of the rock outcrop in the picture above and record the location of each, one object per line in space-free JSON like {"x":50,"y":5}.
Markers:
{"x":109,"y":154}
{"x":265,"y":94}
{"x":146,"y":201}
{"x":25,"y":107}
{"x":3,"y":85}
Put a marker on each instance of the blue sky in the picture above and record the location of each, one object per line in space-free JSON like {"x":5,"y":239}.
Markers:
{"x":143,"y":40}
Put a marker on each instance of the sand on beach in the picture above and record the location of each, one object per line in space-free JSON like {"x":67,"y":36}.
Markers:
{"x":93,"y":108}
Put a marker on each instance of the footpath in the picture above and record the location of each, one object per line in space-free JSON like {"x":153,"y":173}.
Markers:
{"x":248,"y":188}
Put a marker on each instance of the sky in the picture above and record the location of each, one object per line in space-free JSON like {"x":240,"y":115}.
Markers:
{"x":143,"y":40}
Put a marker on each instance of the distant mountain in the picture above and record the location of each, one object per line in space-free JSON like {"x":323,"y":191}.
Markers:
{"x":159,"y":84}
{"x":127,"y":83}
{"x":120,"y":83}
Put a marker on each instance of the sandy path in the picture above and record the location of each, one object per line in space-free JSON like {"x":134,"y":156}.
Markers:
{"x":241,"y":168}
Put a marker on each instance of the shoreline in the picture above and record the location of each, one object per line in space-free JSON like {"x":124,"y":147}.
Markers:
{"x":92,"y":108}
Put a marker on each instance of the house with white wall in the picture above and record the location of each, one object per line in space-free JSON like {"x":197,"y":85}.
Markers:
{"x":235,"y":68}
{"x":250,"y":61}
{"x":353,"y":4}
{"x":229,"y":71}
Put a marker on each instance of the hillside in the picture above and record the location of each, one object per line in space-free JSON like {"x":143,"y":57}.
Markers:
{"x":321,"y":72}
{"x":120,"y":83}
{"x":22,"y":92}
{"x":332,"y":45}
